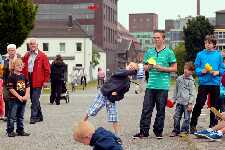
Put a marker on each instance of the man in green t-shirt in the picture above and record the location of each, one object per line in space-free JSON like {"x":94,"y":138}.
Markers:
{"x":158,"y":85}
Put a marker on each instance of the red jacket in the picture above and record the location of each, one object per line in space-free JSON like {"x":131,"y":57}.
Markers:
{"x":41,"y":69}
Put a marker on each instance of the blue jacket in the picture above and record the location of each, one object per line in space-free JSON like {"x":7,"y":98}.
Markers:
{"x":105,"y":140}
{"x":119,"y":82}
{"x":215,"y":59}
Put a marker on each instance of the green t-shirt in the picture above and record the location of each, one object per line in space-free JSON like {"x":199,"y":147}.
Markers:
{"x":164,"y":58}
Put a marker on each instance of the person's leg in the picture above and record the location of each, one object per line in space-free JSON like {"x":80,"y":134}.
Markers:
{"x":200,"y":102}
{"x":6,"y":100}
{"x":177,"y":117}
{"x":112,"y":116}
{"x":219,"y":126}
{"x":20,"y":119}
{"x":11,"y":117}
{"x":58,"y":91}
{"x":116,"y":128}
{"x":186,"y":120}
{"x":214,"y":96}
{"x":147,"y":109}
{"x":36,"y":113}
{"x":96,"y":106}
{"x":161,"y":99}
{"x":53,"y":91}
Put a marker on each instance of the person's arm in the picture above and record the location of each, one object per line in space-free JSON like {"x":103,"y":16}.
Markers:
{"x":124,"y":73}
{"x":174,"y":98}
{"x":25,"y":97}
{"x":192,"y":93}
{"x":46,"y":67}
{"x":11,"y":90}
{"x":221,"y":66}
{"x":172,"y":68}
{"x":198,"y":69}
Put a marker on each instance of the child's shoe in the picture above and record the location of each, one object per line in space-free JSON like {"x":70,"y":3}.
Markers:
{"x":193,"y":130}
{"x":173,"y":134}
{"x":201,"y":133}
{"x":183,"y":134}
{"x":214,"y":135}
{"x":22,"y":133}
{"x":12,"y":134}
{"x":140,"y":135}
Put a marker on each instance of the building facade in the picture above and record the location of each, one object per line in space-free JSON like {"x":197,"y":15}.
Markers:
{"x":71,"y":42}
{"x":220,"y":29}
{"x":141,"y":26}
{"x":97,"y":17}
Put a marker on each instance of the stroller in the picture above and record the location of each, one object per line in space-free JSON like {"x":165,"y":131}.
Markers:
{"x":65,"y":93}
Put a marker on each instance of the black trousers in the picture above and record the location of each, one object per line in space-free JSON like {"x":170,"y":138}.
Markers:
{"x":153,"y":97}
{"x":203,"y":91}
{"x":56,"y":91}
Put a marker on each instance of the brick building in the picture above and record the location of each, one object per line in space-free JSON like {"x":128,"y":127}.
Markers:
{"x":97,"y":17}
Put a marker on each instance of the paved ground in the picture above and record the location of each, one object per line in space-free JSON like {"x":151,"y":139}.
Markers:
{"x":55,"y":133}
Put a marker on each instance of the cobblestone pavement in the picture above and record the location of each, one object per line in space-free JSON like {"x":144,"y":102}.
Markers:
{"x":55,"y":133}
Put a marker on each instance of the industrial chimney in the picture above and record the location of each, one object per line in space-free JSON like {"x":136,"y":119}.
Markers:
{"x":198,"y":7}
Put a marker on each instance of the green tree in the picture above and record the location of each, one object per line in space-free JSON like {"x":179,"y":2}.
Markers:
{"x":180,"y":53}
{"x":16,"y":21}
{"x":194,"y":35}
{"x":95,"y":57}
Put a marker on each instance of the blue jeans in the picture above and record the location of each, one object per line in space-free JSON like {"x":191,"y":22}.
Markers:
{"x":16,"y":113}
{"x":36,"y":112}
{"x":153,"y":97}
{"x":180,"y":109}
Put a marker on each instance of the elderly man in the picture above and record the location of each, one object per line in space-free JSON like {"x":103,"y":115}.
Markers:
{"x":37,"y":70}
{"x":7,"y":61}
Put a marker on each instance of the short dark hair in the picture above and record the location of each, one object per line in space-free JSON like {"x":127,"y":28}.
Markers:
{"x":211,"y":38}
{"x":189,"y":65}
{"x":160,"y":31}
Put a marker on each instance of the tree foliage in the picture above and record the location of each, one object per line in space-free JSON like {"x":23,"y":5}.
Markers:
{"x":95,"y":57}
{"x":16,"y":21}
{"x":194,"y":35}
{"x":180,"y":53}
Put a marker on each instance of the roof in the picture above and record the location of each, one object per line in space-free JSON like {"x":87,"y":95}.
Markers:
{"x":220,"y":11}
{"x":57,"y":29}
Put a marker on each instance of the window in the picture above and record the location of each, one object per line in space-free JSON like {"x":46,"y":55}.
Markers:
{"x":45,"y":46}
{"x":62,"y":47}
{"x":79,"y":46}
{"x":78,"y":65}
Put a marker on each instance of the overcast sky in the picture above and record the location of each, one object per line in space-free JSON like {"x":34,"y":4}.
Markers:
{"x":167,"y":9}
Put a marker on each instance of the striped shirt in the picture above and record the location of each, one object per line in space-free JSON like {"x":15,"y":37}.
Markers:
{"x":164,"y":58}
{"x":141,"y":72}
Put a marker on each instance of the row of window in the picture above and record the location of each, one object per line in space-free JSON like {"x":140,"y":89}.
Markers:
{"x":220,"y":35}
{"x":62,"y":47}
{"x":143,"y":36}
{"x":110,"y":14}
{"x":109,"y":35}
{"x":61,"y":11}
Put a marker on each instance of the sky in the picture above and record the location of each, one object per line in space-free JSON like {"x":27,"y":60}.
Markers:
{"x":167,"y":9}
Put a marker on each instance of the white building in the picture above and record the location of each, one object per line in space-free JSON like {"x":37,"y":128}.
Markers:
{"x":67,"y":39}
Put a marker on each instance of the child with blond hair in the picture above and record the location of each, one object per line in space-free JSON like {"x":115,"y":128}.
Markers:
{"x":19,"y":89}
{"x":99,"y":139}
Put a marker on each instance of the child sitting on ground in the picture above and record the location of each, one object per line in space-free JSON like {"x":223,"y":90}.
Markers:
{"x":184,"y":97}
{"x":100,"y":138}
{"x":214,"y":133}
{"x":19,"y":89}
{"x":113,"y":90}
